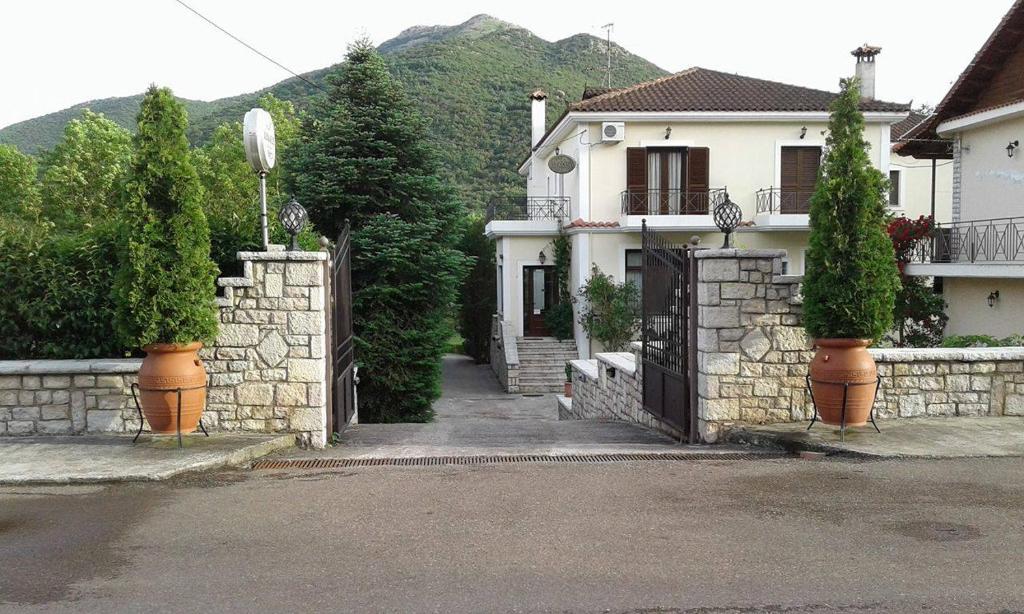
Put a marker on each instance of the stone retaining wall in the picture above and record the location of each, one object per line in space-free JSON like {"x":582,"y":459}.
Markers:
{"x":267,"y":368}
{"x":504,"y":354}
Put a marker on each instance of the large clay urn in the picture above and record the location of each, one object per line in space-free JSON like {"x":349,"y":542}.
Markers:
{"x":843,"y":366}
{"x":166,"y":368}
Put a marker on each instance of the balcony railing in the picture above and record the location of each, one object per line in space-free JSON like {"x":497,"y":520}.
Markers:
{"x":671,"y":202}
{"x":982,"y":241}
{"x":525,"y":208}
{"x":775,"y":201}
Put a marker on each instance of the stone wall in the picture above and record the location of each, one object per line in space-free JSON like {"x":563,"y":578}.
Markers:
{"x":598,"y":394}
{"x":64,"y":397}
{"x":504,"y":354}
{"x":267,"y":367}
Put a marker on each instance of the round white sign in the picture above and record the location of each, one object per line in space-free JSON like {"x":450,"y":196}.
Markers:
{"x":258,"y":137}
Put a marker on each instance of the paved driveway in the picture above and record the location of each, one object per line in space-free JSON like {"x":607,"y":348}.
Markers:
{"x":474,"y":416}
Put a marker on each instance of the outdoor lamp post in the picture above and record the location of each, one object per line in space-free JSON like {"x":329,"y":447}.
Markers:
{"x":728,"y":216}
{"x":293,"y":217}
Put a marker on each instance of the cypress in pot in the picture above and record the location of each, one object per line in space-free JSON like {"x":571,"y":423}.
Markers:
{"x":850,"y":278}
{"x":165,"y":289}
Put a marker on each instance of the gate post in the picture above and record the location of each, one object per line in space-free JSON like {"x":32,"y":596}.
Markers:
{"x":752,"y":353}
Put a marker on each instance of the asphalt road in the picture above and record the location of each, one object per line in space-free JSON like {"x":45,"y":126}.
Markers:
{"x":709,"y":537}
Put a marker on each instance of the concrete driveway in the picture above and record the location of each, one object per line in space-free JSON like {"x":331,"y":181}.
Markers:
{"x":474,"y":416}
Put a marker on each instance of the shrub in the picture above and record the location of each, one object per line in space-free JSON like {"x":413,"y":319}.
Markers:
{"x":558,"y":318}
{"x":982,"y":341}
{"x":851,"y":279}
{"x":165,"y":289}
{"x":609,"y":311}
{"x":19,"y":190}
{"x":56,"y":299}
{"x":477,"y":297}
{"x":919,"y":313}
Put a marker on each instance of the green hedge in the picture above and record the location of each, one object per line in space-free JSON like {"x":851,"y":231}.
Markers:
{"x":56,"y":293}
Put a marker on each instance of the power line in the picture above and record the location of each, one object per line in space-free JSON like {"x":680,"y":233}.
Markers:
{"x":251,"y":48}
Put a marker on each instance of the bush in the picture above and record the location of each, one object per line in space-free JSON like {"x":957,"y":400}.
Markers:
{"x":478,"y":299}
{"x":558,"y":318}
{"x":56,"y":299}
{"x":982,"y":341}
{"x":610,"y":312}
{"x":164,"y":291}
{"x":851,"y":279}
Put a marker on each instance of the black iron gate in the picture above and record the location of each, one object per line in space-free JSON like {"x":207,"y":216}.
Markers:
{"x":669,"y":332}
{"x":340,"y":362}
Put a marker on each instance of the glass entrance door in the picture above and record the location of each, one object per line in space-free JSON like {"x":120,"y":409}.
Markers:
{"x":539,"y":294}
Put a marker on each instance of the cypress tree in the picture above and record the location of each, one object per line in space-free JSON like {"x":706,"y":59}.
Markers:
{"x":850,"y":280}
{"x":363,"y":155}
{"x":478,"y":301}
{"x":164,"y":291}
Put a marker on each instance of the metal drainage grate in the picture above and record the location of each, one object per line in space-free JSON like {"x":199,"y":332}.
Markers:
{"x":428,"y":461}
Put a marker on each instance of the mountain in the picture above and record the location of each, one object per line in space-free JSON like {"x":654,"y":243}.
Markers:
{"x":470,"y":80}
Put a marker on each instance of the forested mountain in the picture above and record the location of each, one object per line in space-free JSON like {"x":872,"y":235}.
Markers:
{"x":471,"y":81}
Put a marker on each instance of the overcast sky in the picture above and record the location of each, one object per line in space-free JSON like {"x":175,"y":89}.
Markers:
{"x":59,"y":53}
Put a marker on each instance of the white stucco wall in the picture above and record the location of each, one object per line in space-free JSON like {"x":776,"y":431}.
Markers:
{"x":916,"y":189}
{"x":968,"y":310}
{"x":513,"y":254}
{"x":992,"y":184}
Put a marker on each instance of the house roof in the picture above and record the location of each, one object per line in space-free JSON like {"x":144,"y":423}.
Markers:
{"x":898,"y":130}
{"x":700,"y":89}
{"x":963,"y":97}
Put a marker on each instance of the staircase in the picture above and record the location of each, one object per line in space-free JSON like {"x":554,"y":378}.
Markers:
{"x":542,"y":363}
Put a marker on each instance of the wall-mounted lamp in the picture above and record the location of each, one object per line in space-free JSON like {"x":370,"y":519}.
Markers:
{"x":993,"y":297}
{"x":1013,"y":145}
{"x":668,"y":132}
{"x":542,"y":257}
{"x":803,"y":132}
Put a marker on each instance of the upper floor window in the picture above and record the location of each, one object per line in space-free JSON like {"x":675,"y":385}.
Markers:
{"x":895,"y":176}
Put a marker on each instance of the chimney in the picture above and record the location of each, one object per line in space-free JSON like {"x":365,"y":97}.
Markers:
{"x":865,"y":55}
{"x":538,"y":116}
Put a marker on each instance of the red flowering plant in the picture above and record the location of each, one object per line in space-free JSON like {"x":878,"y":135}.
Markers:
{"x":920,"y":316}
{"x":907,"y":235}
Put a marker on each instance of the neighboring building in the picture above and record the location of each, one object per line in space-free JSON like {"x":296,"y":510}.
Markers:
{"x":921,"y":181}
{"x":980,"y":255}
{"x":668,"y":151}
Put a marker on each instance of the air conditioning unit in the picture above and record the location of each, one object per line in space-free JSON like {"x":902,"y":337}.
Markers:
{"x":613,"y":132}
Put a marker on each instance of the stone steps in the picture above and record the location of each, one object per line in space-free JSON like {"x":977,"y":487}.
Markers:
{"x":542,"y":363}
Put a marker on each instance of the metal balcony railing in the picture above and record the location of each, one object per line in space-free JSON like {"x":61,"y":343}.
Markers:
{"x":975,"y":241}
{"x":775,"y":201}
{"x":671,"y":202}
{"x":525,"y":208}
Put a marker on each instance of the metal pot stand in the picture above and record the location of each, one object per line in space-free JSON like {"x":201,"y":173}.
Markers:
{"x":846,"y":391}
{"x":135,"y":387}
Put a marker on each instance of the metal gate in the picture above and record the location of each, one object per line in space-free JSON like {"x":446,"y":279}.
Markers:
{"x":669,"y":332}
{"x":340,"y":361}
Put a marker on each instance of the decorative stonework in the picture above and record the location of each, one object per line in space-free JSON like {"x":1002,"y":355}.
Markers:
{"x":504,"y":354}
{"x":267,"y":368}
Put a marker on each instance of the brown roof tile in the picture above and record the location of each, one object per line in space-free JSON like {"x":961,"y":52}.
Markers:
{"x":580,"y":223}
{"x":699,"y":89}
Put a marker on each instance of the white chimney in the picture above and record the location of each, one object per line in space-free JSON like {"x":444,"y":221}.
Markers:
{"x":865,"y":55}
{"x":538,"y":116}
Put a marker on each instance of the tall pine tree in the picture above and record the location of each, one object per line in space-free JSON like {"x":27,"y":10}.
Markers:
{"x":364,"y":156}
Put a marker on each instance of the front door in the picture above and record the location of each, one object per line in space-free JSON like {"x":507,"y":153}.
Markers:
{"x":539,"y":294}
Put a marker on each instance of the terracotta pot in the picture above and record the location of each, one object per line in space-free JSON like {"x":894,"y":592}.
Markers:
{"x":568,"y":390}
{"x":166,"y":368}
{"x":838,"y":362}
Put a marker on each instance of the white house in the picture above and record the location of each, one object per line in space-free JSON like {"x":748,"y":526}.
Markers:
{"x":980,"y":255}
{"x":667,"y":151}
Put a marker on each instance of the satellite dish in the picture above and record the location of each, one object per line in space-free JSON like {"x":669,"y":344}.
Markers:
{"x":561,"y":164}
{"x":258,"y":137}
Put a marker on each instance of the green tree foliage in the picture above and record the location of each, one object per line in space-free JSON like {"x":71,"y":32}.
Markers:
{"x":363,"y":156}
{"x":609,"y":312}
{"x":165,"y":290}
{"x":56,"y":300}
{"x":85,"y":172}
{"x":478,"y":297}
{"x":558,"y":318}
{"x":19,"y":189}
{"x":850,"y":282}
{"x":920,"y":315}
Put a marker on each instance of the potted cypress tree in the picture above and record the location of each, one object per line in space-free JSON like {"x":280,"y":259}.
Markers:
{"x":164,"y":291}
{"x":850,"y":279}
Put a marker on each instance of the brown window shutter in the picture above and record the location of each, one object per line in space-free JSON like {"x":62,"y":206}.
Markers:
{"x":698,"y":169}
{"x":797,"y":177}
{"x":636,"y":180}
{"x":789,"y":176}
{"x":810,"y":158}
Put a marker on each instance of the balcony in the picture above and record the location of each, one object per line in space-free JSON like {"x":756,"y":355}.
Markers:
{"x":974,"y":248}
{"x":671,"y":202}
{"x":528,"y":208}
{"x":782,"y":209}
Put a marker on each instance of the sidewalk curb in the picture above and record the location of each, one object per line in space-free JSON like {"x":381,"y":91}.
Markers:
{"x":794,"y":443}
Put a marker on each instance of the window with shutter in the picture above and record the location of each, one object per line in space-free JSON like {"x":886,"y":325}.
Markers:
{"x":636,"y":180}
{"x":798,"y":176}
{"x":698,"y":170}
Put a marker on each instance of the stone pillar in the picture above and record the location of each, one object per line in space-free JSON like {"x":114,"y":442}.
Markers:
{"x":752,"y":353}
{"x":268,"y":366}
